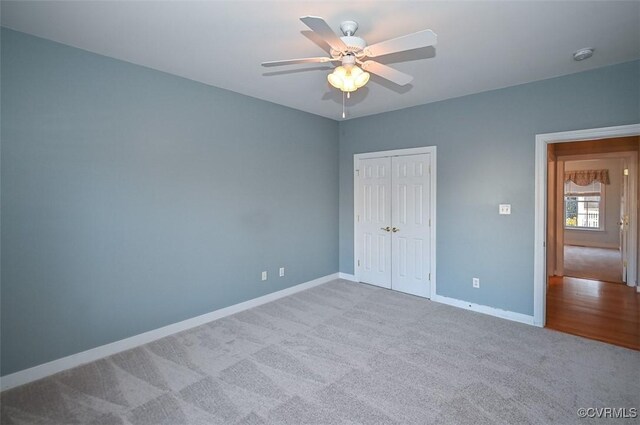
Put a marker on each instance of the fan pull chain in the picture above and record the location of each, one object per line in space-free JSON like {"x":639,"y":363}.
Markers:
{"x":344,"y":114}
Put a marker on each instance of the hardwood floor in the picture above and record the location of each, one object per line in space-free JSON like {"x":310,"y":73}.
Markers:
{"x":604,"y":311}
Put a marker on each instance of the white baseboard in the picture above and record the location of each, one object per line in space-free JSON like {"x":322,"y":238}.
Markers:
{"x":347,"y":276}
{"x":504,"y":314}
{"x":46,"y":369}
{"x":491,"y":311}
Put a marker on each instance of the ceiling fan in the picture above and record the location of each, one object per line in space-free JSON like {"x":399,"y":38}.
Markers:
{"x":352,"y":51}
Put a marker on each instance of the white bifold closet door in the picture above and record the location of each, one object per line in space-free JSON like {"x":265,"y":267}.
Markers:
{"x":394,"y":223}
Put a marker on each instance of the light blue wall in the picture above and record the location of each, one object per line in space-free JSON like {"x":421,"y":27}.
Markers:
{"x":132,"y":199}
{"x":486,"y":157}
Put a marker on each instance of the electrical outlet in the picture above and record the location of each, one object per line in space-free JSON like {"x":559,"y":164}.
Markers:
{"x":264,"y":275}
{"x":476,"y":282}
{"x":281,"y":271}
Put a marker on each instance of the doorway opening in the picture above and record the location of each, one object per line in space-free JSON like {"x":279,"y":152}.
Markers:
{"x":590,"y":237}
{"x":588,"y":194}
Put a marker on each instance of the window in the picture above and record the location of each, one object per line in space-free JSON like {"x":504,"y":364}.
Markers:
{"x":583,"y":206}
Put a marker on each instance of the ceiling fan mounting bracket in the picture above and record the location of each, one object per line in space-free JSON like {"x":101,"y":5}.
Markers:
{"x":348,"y":28}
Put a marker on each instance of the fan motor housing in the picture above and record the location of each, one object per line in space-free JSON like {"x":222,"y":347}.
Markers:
{"x":354,"y":44}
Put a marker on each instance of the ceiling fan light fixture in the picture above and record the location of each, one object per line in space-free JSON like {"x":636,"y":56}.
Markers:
{"x":360,"y":77}
{"x":337,"y":77}
{"x":348,"y":80}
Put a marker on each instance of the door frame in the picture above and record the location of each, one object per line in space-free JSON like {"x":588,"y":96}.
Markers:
{"x":540,"y":225}
{"x":356,"y":195}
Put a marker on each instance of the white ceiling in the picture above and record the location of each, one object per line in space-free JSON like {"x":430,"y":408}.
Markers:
{"x":481,"y":45}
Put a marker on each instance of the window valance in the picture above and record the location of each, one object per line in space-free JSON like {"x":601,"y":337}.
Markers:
{"x":586,"y":177}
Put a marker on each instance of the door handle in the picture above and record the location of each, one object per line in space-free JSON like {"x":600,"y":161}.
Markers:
{"x":386,"y":229}
{"x":395,"y":229}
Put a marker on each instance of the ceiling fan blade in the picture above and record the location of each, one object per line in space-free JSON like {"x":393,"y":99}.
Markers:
{"x":294,"y":61}
{"x":384,"y":71}
{"x":416,"y":40}
{"x":320,"y":26}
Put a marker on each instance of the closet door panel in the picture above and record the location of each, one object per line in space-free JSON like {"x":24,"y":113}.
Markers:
{"x":410,"y":212}
{"x":374,"y":221}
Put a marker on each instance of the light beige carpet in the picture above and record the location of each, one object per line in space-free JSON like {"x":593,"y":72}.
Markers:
{"x":592,"y":263}
{"x":341,"y":353}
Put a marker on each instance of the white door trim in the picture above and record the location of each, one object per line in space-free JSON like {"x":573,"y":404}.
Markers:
{"x":559,"y":217}
{"x":539,"y":261}
{"x":397,"y":152}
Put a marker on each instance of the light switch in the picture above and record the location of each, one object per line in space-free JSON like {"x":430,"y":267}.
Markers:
{"x":505,"y":209}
